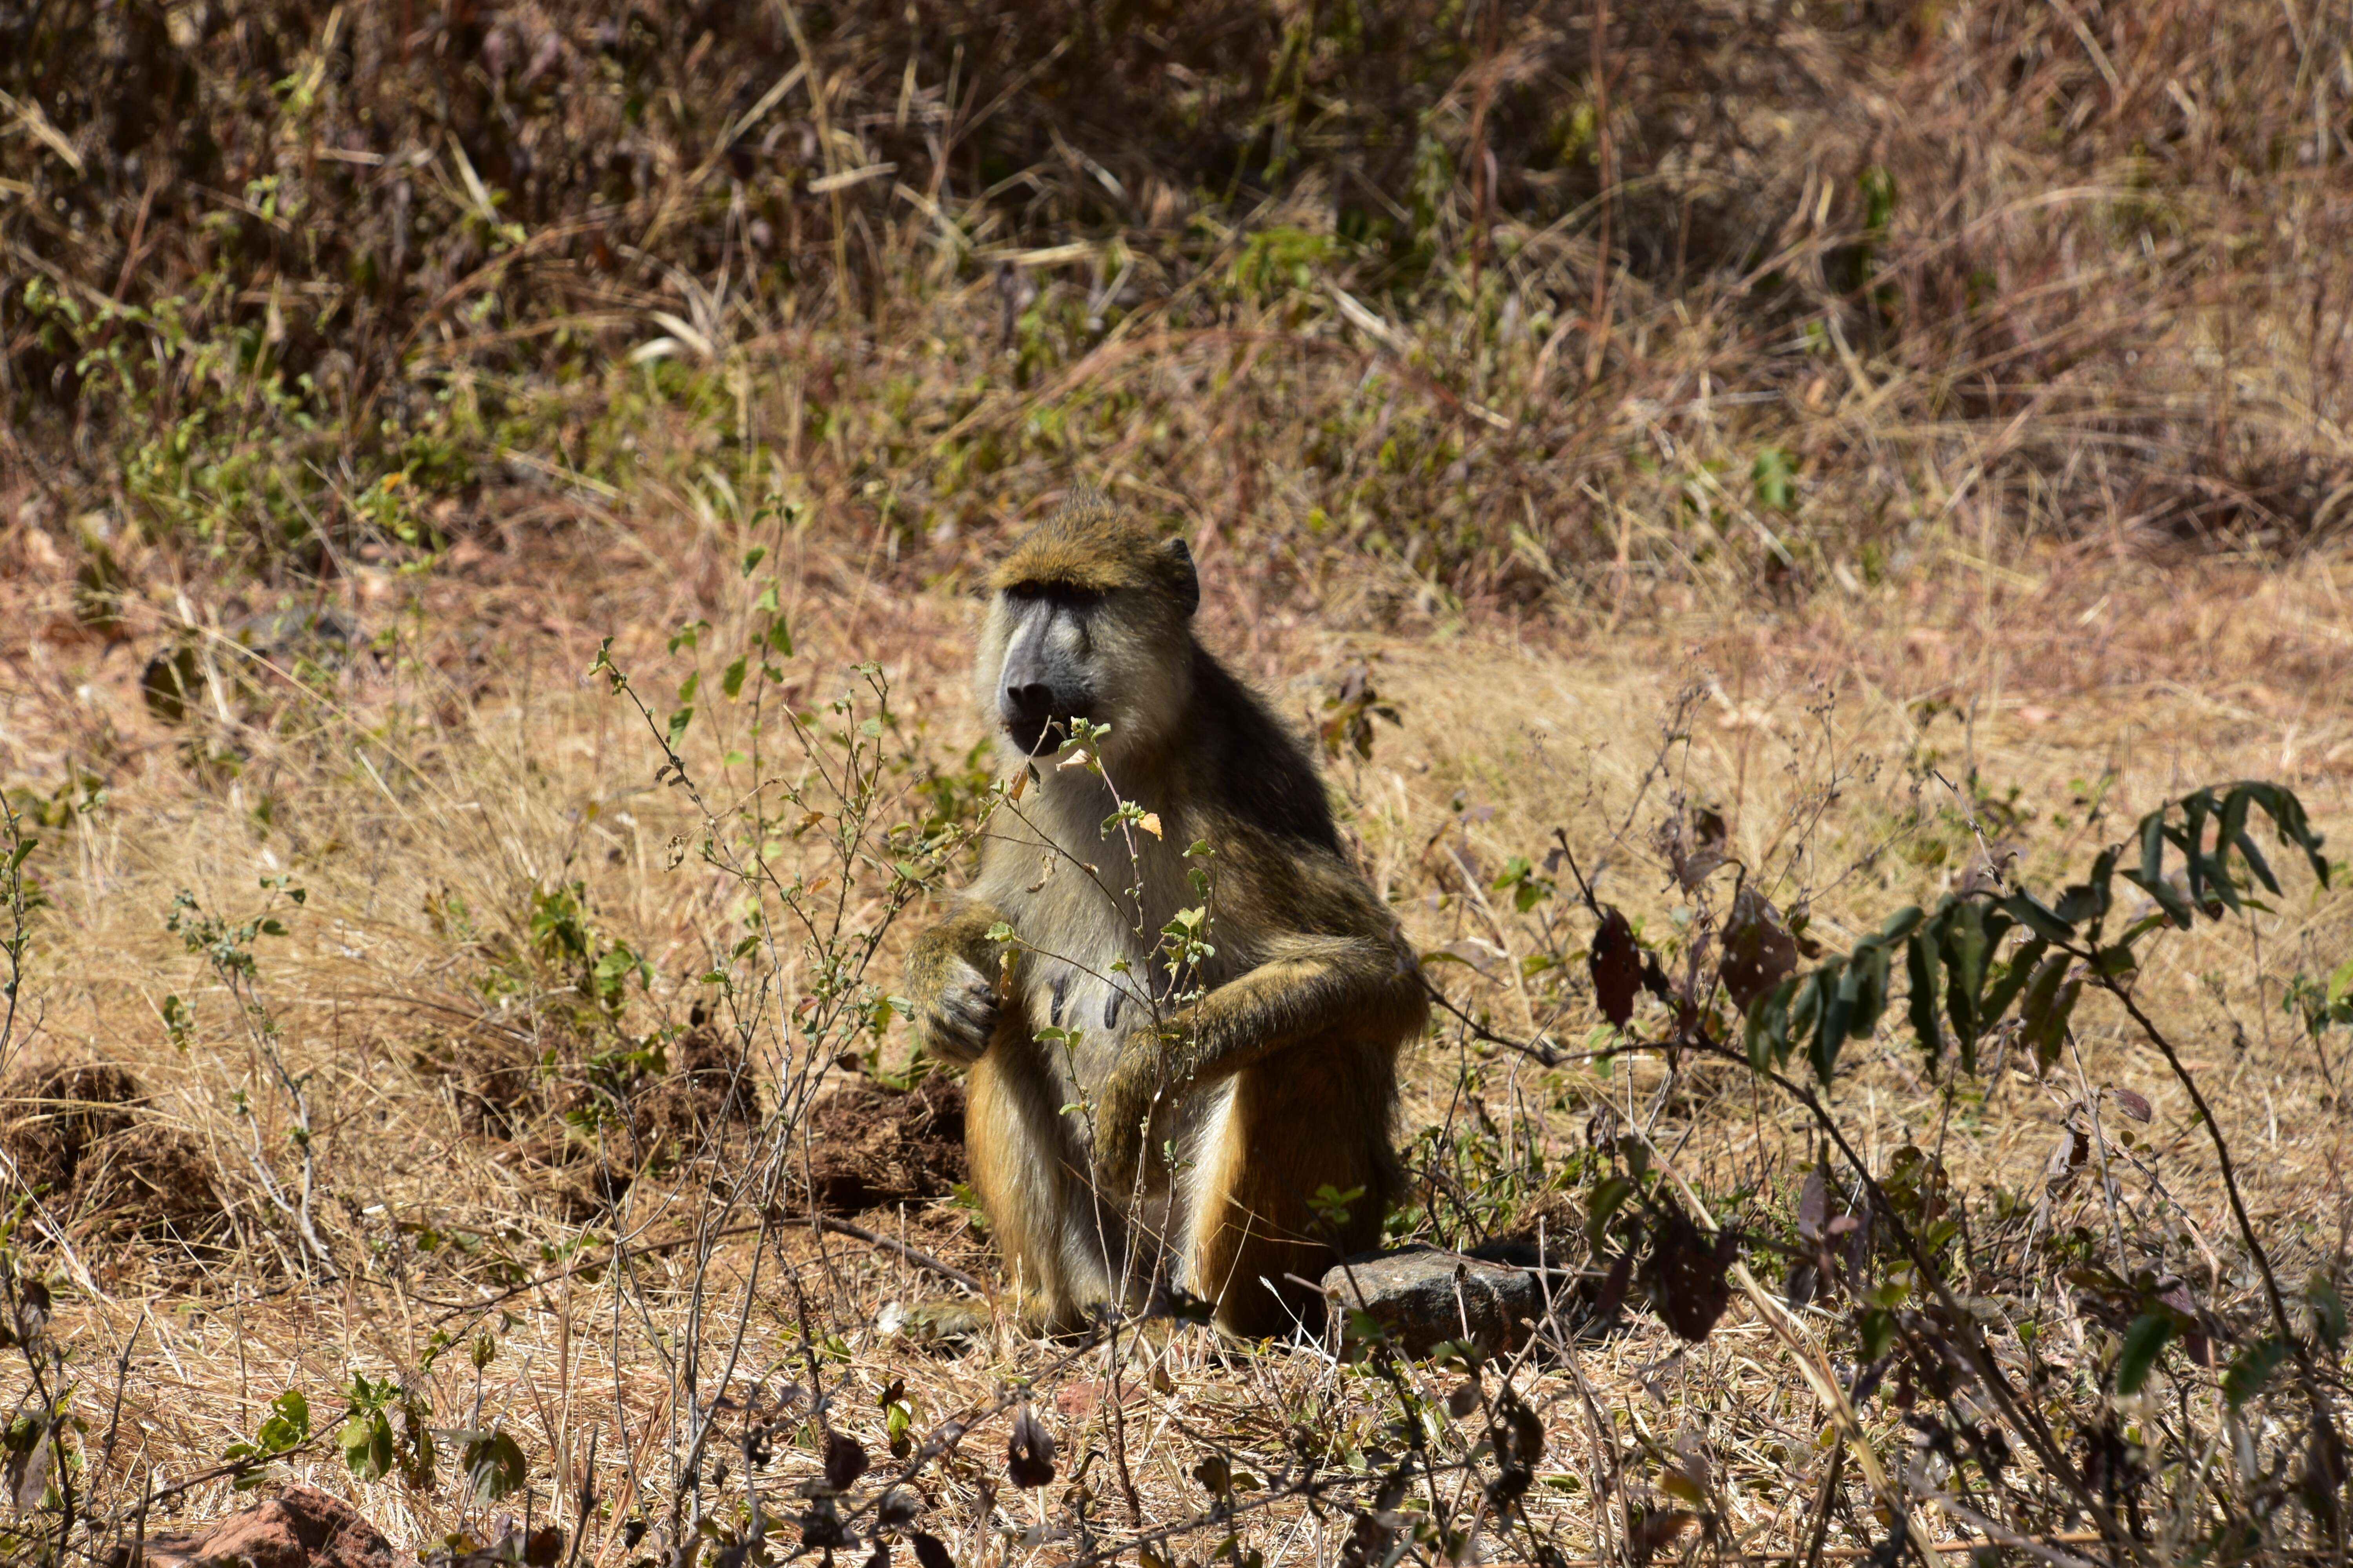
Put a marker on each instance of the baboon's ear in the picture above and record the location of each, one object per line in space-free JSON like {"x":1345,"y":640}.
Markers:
{"x":1187,"y":581}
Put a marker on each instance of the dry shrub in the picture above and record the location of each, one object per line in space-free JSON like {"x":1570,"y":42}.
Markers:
{"x":498,"y":328}
{"x":1773,"y":301}
{"x":591,"y":1114}
{"x":150,"y":1177}
{"x":709,"y":1089}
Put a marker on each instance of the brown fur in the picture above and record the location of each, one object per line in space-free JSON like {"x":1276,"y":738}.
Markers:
{"x":1277,"y":1080}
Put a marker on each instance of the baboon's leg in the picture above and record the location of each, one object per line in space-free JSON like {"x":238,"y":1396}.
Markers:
{"x":1027,"y":1175}
{"x":1297,"y":1122}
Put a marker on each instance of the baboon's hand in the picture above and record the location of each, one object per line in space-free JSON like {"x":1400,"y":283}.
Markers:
{"x":1122,"y":1116}
{"x":956,"y":1015}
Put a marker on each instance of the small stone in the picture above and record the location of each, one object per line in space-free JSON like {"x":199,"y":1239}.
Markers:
{"x":1424,"y":1295}
{"x":301,"y":1527}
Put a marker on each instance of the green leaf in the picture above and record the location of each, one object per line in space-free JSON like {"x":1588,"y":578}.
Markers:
{"x":2050,"y":1000}
{"x":1838,"y":984}
{"x":1868,"y":968}
{"x":2014,"y":979}
{"x":493,"y":1464}
{"x":2111,"y":962}
{"x":1901,"y":924}
{"x":366,"y":1441}
{"x":2327,"y":1307}
{"x":2234,"y":835}
{"x":731,"y":681}
{"x":1965,"y":968}
{"x":2194,"y":808}
{"x":678,"y":723}
{"x":2090,"y":900}
{"x":2152,"y":852}
{"x":1774,"y":474}
{"x":1609,"y":1196}
{"x":2144,"y":1342}
{"x":2168,"y":897}
{"x":2251,"y":1368}
{"x":1920,"y":968}
{"x":1876,"y":1330}
{"x":2038,"y":916}
{"x":1768,"y":1025}
{"x":779,"y":639}
{"x":689,"y":686}
{"x":1806,"y":1008}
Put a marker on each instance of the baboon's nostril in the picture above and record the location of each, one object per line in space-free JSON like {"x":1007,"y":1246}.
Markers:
{"x":1030,"y":701}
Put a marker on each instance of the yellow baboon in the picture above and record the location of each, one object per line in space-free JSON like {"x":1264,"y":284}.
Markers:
{"x":1258,"y":1043}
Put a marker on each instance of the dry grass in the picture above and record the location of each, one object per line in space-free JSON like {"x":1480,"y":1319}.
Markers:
{"x":432,"y":779}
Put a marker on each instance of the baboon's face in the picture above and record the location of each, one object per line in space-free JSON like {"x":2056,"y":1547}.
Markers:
{"x":1056,"y":651}
{"x":1051,"y":670}
{"x":1091,"y":618}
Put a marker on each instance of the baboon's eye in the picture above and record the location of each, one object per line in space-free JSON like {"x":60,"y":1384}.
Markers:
{"x":1067,"y":594}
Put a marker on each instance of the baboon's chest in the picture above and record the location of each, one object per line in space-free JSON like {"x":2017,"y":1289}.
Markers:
{"x":1091,"y":919}
{"x":1081,"y":1007}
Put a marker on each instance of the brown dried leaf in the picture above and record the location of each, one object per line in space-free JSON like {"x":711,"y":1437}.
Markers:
{"x":1814,"y":1205}
{"x":1029,"y":1451}
{"x":845,"y":1460}
{"x":1759,"y":953}
{"x":1685,"y":1275}
{"x":1657,"y":1530}
{"x":1613,"y":1294}
{"x":2065,"y":1155}
{"x":2193,"y":1340}
{"x":1693,"y":844}
{"x":1616,"y":963}
{"x":27,"y":1470}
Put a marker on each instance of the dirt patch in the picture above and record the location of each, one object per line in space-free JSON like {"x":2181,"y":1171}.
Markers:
{"x":1552,"y":1220}
{"x":81,"y":1130}
{"x":50,"y":1115}
{"x":871,"y":1146}
{"x":708,"y":1089}
{"x":493,"y":1075}
{"x":151,"y":1176}
{"x":690,"y":1101}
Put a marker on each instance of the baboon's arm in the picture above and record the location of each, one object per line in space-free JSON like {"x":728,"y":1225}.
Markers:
{"x":1309,"y":988}
{"x":1345,"y":988}
{"x":952,"y":980}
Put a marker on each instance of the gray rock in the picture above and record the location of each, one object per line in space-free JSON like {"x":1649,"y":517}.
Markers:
{"x":1423,"y":1296}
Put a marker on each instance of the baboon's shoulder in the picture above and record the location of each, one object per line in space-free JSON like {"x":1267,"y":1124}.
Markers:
{"x":1251,"y":764}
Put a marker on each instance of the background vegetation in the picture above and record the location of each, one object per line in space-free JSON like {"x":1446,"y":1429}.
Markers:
{"x":487,"y":511}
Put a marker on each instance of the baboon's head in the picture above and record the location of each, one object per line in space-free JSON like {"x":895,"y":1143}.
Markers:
{"x":1091,"y":618}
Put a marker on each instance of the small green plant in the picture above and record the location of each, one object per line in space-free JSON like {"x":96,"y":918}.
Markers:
{"x":372,"y":1445}
{"x":284,"y":1429}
